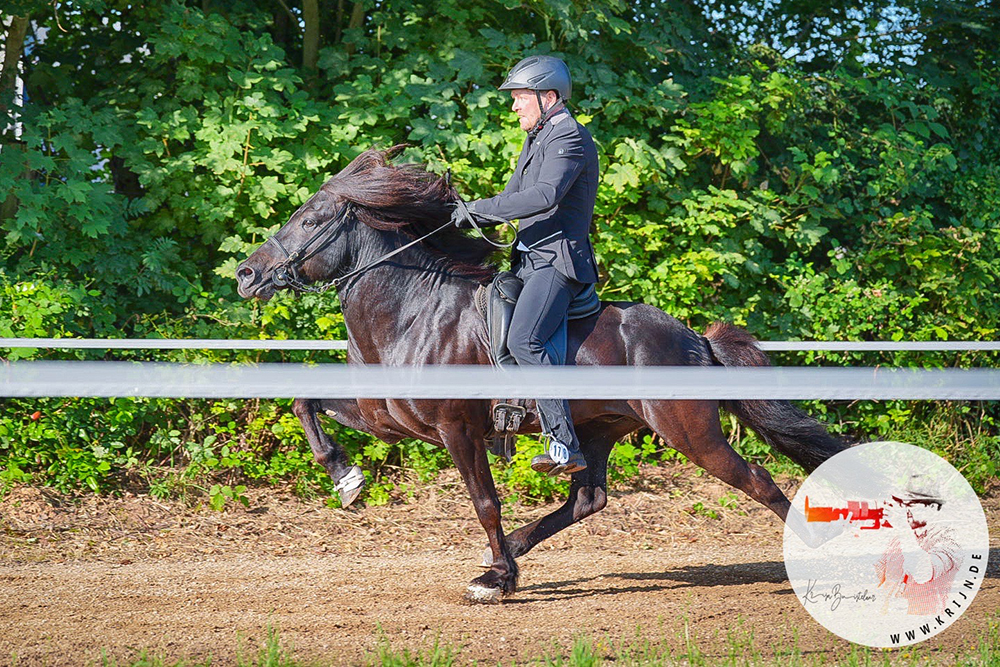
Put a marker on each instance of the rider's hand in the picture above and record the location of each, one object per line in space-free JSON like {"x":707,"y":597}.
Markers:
{"x":458,"y":217}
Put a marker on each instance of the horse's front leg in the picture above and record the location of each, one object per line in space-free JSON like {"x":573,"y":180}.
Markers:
{"x":470,"y":458}
{"x":350,"y":481}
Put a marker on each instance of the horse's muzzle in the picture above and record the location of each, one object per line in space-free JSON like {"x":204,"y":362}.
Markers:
{"x":249,"y":283}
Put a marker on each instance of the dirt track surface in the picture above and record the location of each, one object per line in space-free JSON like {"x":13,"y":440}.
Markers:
{"x":130,"y":574}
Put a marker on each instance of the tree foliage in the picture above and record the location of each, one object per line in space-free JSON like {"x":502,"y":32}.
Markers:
{"x":805,"y":169}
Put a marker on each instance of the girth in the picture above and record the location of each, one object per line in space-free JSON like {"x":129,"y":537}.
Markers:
{"x":496,"y":303}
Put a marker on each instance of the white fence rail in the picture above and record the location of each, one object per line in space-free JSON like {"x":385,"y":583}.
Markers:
{"x":226,"y":344}
{"x":176,"y":380}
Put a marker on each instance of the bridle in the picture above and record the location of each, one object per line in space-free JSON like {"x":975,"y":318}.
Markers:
{"x":286,"y":274}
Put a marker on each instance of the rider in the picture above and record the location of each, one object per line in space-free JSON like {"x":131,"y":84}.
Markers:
{"x":552,"y":194}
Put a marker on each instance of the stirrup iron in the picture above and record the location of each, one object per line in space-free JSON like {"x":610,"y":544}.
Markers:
{"x":508,"y":417}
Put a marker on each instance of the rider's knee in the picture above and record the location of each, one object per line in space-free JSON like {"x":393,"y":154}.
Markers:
{"x":524,"y":347}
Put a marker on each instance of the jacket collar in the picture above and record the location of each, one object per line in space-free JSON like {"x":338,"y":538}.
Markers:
{"x":560,"y":116}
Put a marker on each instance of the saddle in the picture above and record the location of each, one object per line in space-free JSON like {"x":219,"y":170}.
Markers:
{"x":496,"y":303}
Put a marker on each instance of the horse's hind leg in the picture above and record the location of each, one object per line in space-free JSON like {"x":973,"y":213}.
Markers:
{"x":328,"y":452}
{"x":692,"y":428}
{"x":588,"y":491}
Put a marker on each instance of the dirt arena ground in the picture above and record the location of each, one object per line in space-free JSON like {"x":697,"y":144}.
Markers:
{"x":79,"y":577}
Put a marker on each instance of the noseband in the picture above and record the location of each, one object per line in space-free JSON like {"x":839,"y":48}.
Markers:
{"x":286,"y":273}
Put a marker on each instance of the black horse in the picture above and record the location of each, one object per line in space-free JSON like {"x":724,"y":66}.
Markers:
{"x":417,"y":307}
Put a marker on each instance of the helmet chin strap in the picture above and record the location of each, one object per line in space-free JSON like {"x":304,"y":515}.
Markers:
{"x":543,"y":113}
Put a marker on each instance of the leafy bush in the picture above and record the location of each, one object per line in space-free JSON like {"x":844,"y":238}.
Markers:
{"x":798,"y":180}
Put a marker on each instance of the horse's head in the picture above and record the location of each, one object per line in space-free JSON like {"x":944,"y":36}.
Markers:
{"x":305,"y":250}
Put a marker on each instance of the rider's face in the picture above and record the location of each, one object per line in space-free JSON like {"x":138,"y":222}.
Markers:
{"x":525,"y":105}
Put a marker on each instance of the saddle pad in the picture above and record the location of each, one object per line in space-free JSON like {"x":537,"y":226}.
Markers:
{"x":496,"y":301}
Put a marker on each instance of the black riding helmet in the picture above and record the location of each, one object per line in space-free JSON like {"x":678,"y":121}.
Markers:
{"x":541,"y":73}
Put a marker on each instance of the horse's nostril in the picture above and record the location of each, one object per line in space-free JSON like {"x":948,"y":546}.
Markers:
{"x":244,"y":273}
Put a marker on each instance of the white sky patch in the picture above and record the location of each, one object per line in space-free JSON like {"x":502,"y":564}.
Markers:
{"x":890,"y":43}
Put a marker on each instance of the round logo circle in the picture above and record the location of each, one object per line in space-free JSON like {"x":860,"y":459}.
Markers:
{"x":886,"y":544}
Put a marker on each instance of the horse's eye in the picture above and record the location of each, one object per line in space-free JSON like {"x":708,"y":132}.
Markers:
{"x":308,"y":223}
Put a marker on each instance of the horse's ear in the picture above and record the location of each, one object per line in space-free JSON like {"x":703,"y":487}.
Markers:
{"x":393,"y":151}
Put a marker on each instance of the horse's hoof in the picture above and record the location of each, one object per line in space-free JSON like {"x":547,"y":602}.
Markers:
{"x":350,"y":486}
{"x":487,"y":558}
{"x":479,"y":594}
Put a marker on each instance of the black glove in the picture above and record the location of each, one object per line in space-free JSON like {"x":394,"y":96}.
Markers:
{"x":459,"y":217}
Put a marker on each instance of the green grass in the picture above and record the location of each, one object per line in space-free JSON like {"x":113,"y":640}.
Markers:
{"x":740,"y":648}
{"x":437,"y":655}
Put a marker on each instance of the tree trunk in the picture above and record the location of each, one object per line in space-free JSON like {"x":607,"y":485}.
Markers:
{"x":11,"y":57}
{"x":310,"y":41}
{"x":13,"y":46}
{"x":280,"y":23}
{"x":340,"y":21}
{"x":357,"y":15}
{"x":357,"y":18}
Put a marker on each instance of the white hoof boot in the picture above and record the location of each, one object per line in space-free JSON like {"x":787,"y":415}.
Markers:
{"x":350,"y":486}
{"x":483,"y":595}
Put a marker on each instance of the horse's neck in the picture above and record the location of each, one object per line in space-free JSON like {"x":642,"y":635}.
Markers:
{"x":384,"y":306}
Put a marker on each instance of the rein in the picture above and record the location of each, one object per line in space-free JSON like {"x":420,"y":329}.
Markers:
{"x":286,"y":273}
{"x":470,"y":217}
{"x":337,"y":281}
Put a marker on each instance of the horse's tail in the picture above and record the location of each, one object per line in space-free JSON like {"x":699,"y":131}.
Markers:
{"x":783,"y":426}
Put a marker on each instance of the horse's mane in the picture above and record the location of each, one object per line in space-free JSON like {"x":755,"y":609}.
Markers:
{"x":409,"y":199}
